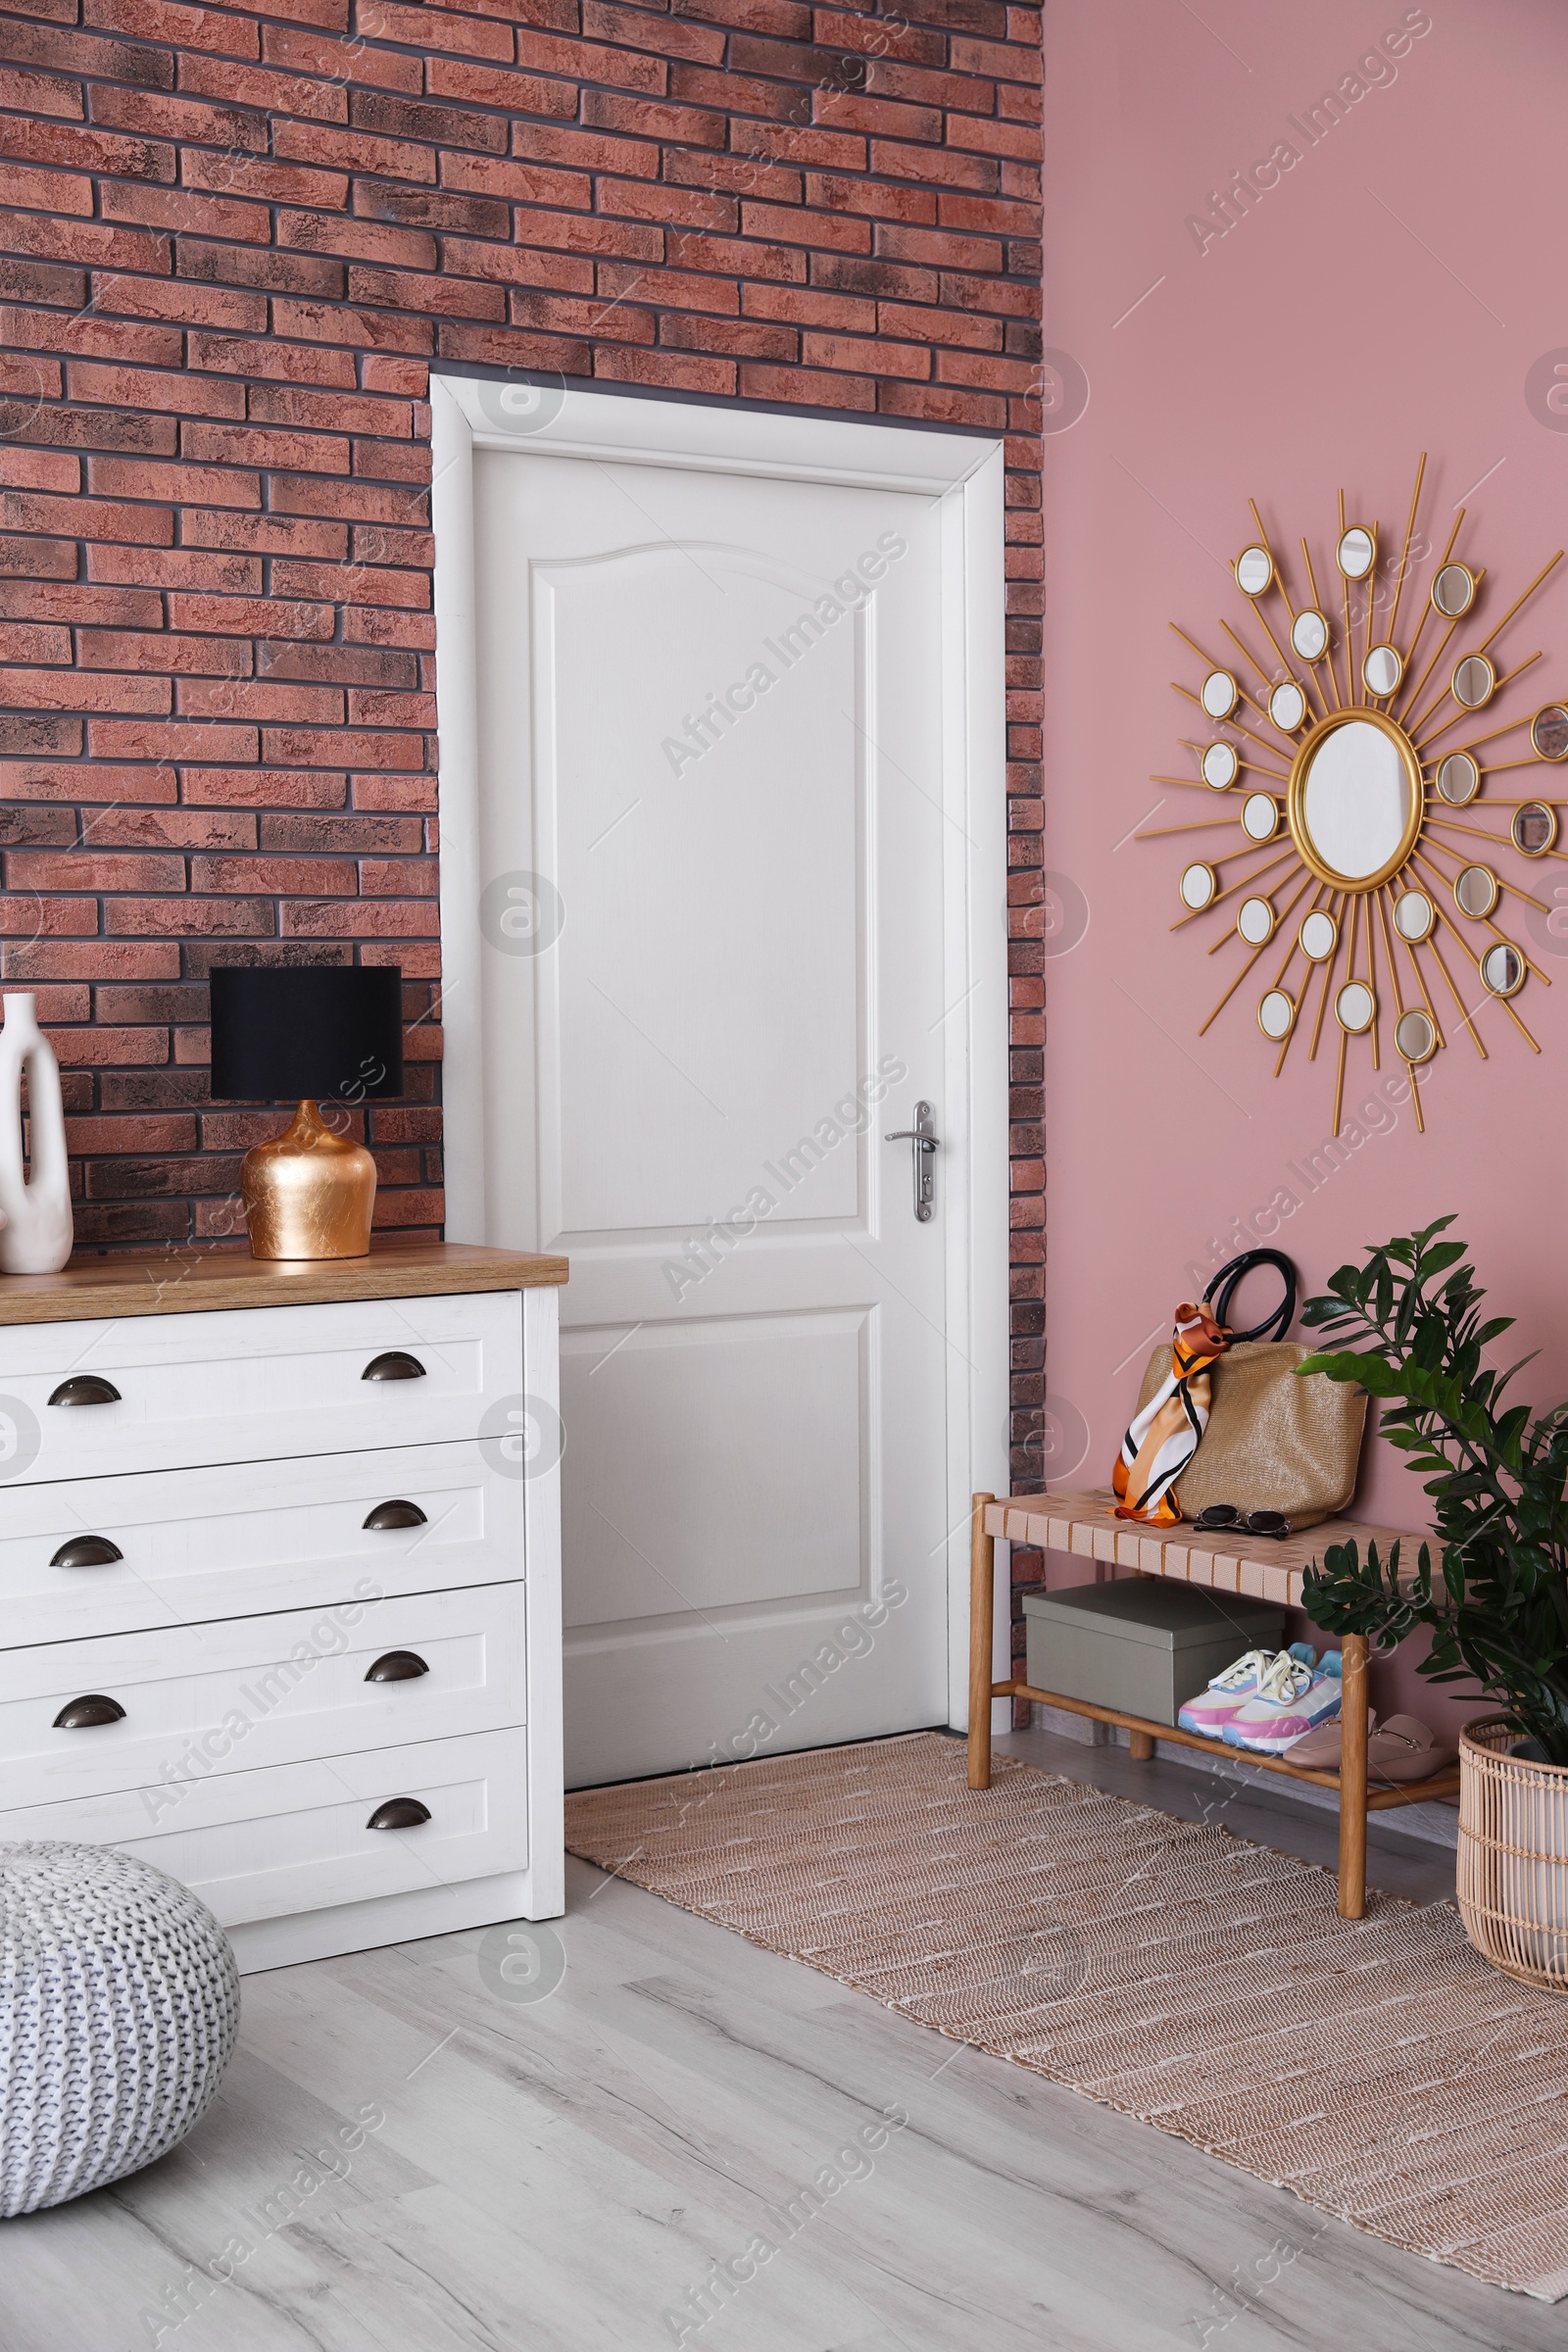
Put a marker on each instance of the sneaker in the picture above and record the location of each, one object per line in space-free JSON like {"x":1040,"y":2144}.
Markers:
{"x":1291,"y":1701}
{"x":1230,"y":1691}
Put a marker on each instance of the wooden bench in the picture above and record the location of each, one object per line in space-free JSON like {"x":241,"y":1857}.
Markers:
{"x":1085,"y":1524}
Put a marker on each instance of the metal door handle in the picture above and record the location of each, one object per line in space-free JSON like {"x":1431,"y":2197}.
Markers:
{"x":395,"y":1514}
{"x":399,"y":1813}
{"x":923,"y":1142}
{"x":86,"y":1388}
{"x":82,"y":1713}
{"x":397,"y":1666}
{"x":87,"y":1551}
{"x":395,"y":1364}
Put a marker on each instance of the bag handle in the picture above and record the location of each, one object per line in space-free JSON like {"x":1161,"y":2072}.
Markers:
{"x":1225,"y":1284}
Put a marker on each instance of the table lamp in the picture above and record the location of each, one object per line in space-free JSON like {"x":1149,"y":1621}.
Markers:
{"x":308,"y":1033}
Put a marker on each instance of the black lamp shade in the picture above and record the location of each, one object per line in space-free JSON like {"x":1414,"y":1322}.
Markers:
{"x":307,"y":1032}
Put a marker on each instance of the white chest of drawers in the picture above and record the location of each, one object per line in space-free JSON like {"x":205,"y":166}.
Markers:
{"x":281,"y":1584}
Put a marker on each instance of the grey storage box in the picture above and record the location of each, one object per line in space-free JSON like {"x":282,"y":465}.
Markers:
{"x":1143,"y":1646}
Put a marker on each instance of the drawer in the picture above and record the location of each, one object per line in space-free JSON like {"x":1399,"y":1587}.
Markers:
{"x":204,"y":1701}
{"x":245,"y":1537}
{"x":296,"y":1836}
{"x":175,"y":1391}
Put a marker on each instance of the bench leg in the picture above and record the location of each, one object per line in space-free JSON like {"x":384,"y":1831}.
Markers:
{"x":1352,"y":1778}
{"x":982,"y":1580}
{"x":1141,"y":1747}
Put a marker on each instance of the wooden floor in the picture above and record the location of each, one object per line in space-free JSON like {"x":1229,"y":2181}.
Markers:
{"x":563,"y":2172}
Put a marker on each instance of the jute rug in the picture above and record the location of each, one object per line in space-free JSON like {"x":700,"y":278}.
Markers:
{"x":1380,"y":2068}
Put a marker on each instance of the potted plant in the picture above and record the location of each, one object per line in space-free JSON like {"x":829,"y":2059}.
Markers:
{"x":1496,"y":1601}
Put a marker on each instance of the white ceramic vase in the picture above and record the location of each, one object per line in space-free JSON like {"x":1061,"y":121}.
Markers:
{"x":36,"y":1235}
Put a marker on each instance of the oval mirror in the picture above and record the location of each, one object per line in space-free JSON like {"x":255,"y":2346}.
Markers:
{"x":1475,"y":891}
{"x":1474,"y":682}
{"x":1254,"y":570}
{"x":1219,"y":765}
{"x":1503,"y":969}
{"x":1458,"y":780}
{"x":1534,"y":829}
{"x":1255,"y":922}
{"x":1319,"y":936}
{"x":1220,"y":694}
{"x":1454,"y":591}
{"x":1548,"y":732}
{"x":1355,"y":802}
{"x":1287,"y":706}
{"x":1356,"y":553}
{"x":1260,"y":816}
{"x":1382,"y":671}
{"x":1309,"y":635}
{"x":1276,"y":1016}
{"x":1414,"y":916}
{"x":1198,"y":885}
{"x":1415,"y":1035}
{"x":1355,"y":1007}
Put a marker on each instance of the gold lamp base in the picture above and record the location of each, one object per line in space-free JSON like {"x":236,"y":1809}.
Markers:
{"x":309,"y":1193}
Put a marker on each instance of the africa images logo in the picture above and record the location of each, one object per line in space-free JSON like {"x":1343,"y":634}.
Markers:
{"x":1229,"y":206}
{"x":849,"y":591}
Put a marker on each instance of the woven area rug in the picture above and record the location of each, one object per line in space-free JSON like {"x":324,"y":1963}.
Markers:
{"x":1379,"y":2068}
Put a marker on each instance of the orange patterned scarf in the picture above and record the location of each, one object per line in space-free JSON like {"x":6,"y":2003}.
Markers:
{"x":1163,"y":1438}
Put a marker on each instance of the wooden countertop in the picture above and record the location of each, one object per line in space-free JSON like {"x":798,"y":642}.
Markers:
{"x":198,"y":1280}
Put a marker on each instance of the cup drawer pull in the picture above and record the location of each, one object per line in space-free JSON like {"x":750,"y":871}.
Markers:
{"x":393,"y":1365}
{"x":85,"y":1387}
{"x":399,"y":1813}
{"x":87,"y":1551}
{"x":82,"y":1713}
{"x":395,"y":1514}
{"x":397,"y":1666}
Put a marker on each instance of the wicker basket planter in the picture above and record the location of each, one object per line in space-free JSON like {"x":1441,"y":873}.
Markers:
{"x":1513,"y":1856}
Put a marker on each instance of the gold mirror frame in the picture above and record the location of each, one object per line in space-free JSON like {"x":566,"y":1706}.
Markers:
{"x":1365,"y":714}
{"x":1521,"y":824}
{"x":1440,"y":839}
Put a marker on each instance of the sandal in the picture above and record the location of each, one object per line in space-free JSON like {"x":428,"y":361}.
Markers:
{"x":1402,"y":1749}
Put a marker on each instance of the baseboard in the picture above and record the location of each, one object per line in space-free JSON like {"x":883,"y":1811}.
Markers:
{"x":1081,"y":1728}
{"x":363,"y":1927}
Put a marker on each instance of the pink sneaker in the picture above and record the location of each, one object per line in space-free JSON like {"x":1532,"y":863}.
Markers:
{"x":1291,"y":1702}
{"x":1226,"y":1694}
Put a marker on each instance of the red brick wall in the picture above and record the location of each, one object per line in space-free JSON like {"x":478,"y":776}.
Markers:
{"x":233,"y":244}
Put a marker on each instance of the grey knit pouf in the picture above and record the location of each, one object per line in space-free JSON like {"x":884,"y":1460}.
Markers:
{"x":118,"y":2007}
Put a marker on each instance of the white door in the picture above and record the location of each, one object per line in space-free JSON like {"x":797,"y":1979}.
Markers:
{"x":715,"y":855}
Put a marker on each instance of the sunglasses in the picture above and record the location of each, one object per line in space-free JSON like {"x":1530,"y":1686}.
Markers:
{"x":1245,"y":1523}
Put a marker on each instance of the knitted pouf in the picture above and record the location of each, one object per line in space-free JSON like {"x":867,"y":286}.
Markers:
{"x":118,"y":2007}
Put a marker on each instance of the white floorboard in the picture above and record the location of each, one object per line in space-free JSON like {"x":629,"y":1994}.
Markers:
{"x":559,"y":2174}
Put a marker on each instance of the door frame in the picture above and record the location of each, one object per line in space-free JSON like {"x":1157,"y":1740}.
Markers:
{"x":963,"y":472}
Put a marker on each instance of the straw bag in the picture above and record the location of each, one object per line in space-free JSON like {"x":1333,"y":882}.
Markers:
{"x":1267,"y":1440}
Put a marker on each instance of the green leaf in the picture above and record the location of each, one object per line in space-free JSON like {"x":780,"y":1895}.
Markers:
{"x":1496,"y":1478}
{"x":1371,"y":1371}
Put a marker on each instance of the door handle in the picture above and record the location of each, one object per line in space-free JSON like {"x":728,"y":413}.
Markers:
{"x":397,"y":1666}
{"x":82,"y":1713}
{"x":395,"y":1364}
{"x":924,"y":1143}
{"x":87,"y":1551}
{"x":399,"y":1813}
{"x":395,"y":1514}
{"x":86,"y":1388}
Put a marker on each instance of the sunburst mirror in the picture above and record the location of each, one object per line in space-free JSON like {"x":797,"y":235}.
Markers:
{"x":1357,"y":812}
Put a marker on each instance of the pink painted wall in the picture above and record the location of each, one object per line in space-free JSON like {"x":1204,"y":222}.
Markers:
{"x":1389,"y":293}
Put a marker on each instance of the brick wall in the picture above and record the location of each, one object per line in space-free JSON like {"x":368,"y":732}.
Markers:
{"x":234,"y":243}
